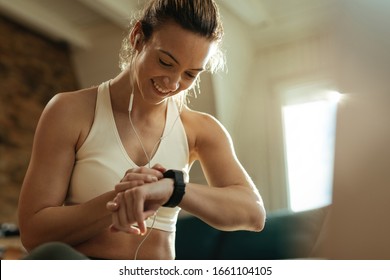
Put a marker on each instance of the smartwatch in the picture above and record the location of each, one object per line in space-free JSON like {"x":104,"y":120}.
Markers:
{"x":178,"y":187}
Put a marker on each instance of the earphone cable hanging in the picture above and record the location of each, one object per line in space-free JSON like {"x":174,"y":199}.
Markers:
{"x":149,"y":165}
{"x":146,"y":155}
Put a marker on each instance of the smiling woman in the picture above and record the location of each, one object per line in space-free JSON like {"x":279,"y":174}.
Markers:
{"x":170,"y":62}
{"x":111,"y":163}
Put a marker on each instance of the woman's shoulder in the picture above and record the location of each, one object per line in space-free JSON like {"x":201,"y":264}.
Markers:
{"x":73,"y":106}
{"x":191,"y":115}
{"x":70,"y":113}
{"x":80,"y":100}
{"x":200,"y":119}
{"x":203,"y":126}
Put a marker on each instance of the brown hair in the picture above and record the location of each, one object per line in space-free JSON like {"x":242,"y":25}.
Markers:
{"x":199,"y":16}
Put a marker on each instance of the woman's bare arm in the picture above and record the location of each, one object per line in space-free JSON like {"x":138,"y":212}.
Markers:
{"x":42,"y":216}
{"x":231,"y":201}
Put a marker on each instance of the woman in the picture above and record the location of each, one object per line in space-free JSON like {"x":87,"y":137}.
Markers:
{"x":98,"y":174}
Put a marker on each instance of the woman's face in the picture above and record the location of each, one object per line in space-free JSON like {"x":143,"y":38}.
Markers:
{"x":170,"y":61}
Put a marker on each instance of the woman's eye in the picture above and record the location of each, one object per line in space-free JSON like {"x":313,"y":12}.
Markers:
{"x":162,"y":62}
{"x":190,"y":75}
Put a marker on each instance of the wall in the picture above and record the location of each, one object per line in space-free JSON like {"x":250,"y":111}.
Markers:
{"x":230,"y":86}
{"x":247,"y":98}
{"x":358,"y":225}
{"x":32,"y":70}
{"x":258,"y":126}
{"x":100,"y":62}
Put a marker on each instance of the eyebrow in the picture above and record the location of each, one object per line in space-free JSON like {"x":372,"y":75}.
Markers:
{"x":174,"y":59}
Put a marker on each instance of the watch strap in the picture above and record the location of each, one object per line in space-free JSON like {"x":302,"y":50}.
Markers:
{"x":178,"y":187}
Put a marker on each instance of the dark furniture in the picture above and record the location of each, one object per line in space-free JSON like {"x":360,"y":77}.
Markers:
{"x":287,"y":235}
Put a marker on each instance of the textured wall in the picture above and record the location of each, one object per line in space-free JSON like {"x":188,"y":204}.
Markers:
{"x":32,"y":70}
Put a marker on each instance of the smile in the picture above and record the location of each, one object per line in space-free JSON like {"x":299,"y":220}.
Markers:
{"x":160,"y":89}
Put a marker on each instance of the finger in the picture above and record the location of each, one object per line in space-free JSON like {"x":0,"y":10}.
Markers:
{"x":149,"y":213}
{"x":127,"y":218}
{"x":132,"y":170}
{"x":116,"y":225}
{"x":159,"y":168}
{"x":146,"y":170}
{"x":117,"y":217}
{"x":153,"y":171}
{"x":142,"y":228}
{"x":138,"y":210}
{"x":124,"y":220}
{"x":143,"y":178}
{"x":132,"y":230}
{"x":127,"y":185}
{"x":131,"y":174}
{"x":112,"y":206}
{"x":120,"y":221}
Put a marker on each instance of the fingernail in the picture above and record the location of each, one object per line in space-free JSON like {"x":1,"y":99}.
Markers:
{"x":152,"y":178}
{"x":112,"y":204}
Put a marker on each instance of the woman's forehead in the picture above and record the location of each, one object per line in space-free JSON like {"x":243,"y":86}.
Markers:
{"x":182,"y":44}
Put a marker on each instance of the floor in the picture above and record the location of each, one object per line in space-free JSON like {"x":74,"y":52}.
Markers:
{"x":10,"y":247}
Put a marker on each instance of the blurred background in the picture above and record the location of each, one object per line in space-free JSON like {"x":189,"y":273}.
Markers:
{"x":305,"y":98}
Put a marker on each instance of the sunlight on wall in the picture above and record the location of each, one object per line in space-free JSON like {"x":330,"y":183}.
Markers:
{"x":309,"y":137}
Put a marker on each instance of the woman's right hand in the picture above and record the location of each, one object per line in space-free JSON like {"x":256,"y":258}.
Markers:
{"x":133,"y":178}
{"x":139,"y":176}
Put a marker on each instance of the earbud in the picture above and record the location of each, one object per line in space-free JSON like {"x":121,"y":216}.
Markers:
{"x":136,"y":39}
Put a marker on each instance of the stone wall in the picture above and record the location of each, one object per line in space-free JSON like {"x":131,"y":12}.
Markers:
{"x":32,"y":69}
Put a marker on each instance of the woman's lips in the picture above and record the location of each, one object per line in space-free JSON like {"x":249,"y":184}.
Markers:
{"x":160,"y":90}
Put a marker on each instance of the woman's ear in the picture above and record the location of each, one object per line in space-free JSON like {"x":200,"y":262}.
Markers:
{"x":136,"y":36}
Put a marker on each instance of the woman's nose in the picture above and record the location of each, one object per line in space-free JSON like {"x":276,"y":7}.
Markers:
{"x":171,"y":83}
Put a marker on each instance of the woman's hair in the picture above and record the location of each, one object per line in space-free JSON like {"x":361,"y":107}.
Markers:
{"x":199,"y":16}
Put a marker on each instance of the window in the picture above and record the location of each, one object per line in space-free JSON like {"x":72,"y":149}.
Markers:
{"x":309,"y":121}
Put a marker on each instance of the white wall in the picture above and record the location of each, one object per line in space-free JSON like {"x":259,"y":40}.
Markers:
{"x":230,"y":86}
{"x":258,"y":125}
{"x":247,"y":98}
{"x":358,"y":226}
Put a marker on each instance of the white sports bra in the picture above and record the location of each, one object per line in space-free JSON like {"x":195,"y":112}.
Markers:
{"x":102,"y":160}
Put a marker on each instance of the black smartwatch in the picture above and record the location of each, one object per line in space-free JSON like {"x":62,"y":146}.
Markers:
{"x":178,"y":187}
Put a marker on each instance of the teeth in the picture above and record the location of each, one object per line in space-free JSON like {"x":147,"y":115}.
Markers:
{"x":160,"y":89}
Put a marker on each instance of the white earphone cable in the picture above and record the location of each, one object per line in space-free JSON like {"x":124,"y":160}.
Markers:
{"x":143,"y":148}
{"x":148,"y":157}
